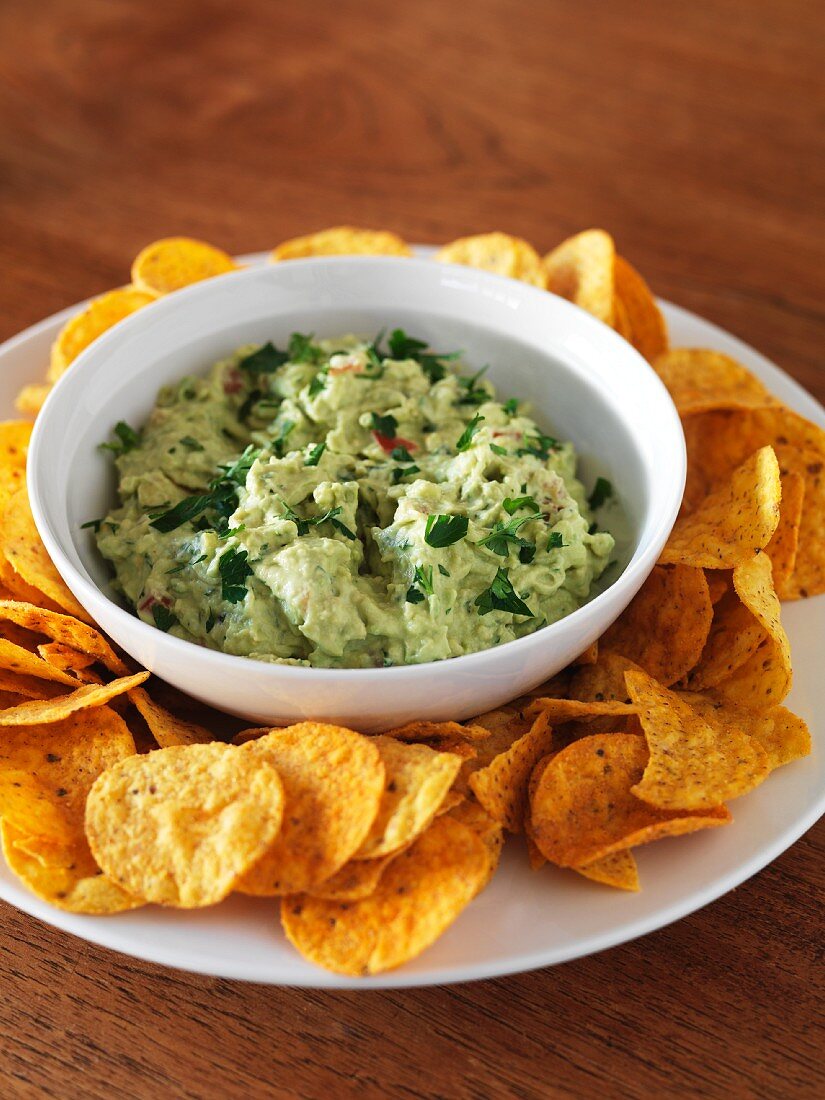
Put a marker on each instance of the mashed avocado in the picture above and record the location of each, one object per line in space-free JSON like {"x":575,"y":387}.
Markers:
{"x":344,"y":505}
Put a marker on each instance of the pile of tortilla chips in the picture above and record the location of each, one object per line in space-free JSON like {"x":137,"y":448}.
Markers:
{"x":115,"y":793}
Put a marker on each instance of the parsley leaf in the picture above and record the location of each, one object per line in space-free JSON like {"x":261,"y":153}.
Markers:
{"x":93,"y":523}
{"x":527,"y":553}
{"x":444,"y":572}
{"x":473,"y":394}
{"x":401,"y":471}
{"x":602,"y":491}
{"x":246,"y":407}
{"x":554,"y":540}
{"x":501,"y":596}
{"x":319,"y":382}
{"x":511,"y":406}
{"x":234,"y":569}
{"x":314,"y":456}
{"x":403,"y":346}
{"x":190,"y":444}
{"x":279,"y":442}
{"x":539,"y":445}
{"x":465,"y":440}
{"x":265,"y":360}
{"x":414,"y":596}
{"x":385,"y":425}
{"x":127,"y":440}
{"x":515,"y":504}
{"x":445,"y":530}
{"x":505,"y":535}
{"x":302,"y":350}
{"x":422,"y":585}
{"x":494,"y":447}
{"x":164,"y":619}
{"x":401,"y":454}
{"x":184,"y":511}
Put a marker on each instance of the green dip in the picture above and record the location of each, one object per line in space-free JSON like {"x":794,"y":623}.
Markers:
{"x":341,"y":505}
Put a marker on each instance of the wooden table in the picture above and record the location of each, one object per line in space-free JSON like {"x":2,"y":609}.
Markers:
{"x":691,"y":132}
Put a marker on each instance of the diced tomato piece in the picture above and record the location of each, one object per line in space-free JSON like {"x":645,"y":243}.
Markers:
{"x":233,"y":383}
{"x":389,"y":444}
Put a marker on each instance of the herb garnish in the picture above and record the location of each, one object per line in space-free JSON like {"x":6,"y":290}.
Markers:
{"x":385,"y":425}
{"x":403,"y":346}
{"x":497,"y":450}
{"x":511,"y":406}
{"x":473,"y":394}
{"x":265,"y":360}
{"x":210,"y":621}
{"x":318,"y":383}
{"x":422,"y":585}
{"x":190,"y":444}
{"x":602,"y":491}
{"x":279,"y":442}
{"x":221,"y":498}
{"x":164,"y":619}
{"x":330,"y":515}
{"x":511,"y":505}
{"x":465,"y":440}
{"x":401,"y":454}
{"x":501,"y":596}
{"x":127,"y":440}
{"x":234,"y":569}
{"x":402,"y":471}
{"x":314,"y":456}
{"x":93,"y":523}
{"x":555,"y":541}
{"x":445,"y":530}
{"x":539,"y":445}
{"x":505,"y":535}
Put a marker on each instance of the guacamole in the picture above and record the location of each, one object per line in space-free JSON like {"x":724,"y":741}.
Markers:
{"x":344,"y":504}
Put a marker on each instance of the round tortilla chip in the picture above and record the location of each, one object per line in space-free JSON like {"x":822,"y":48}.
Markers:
{"x":666,"y":625}
{"x":501,"y":786}
{"x":179,"y":826}
{"x":694,"y":764}
{"x":355,"y":880}
{"x":172,"y":263}
{"x":648,"y":330}
{"x":737,"y":519}
{"x":333,"y":784}
{"x":78,"y":888}
{"x":581,"y":269}
{"x":618,"y":869}
{"x":165,"y":727}
{"x":699,"y":380}
{"x":14,"y":450}
{"x":99,"y":316}
{"x":784,"y":736}
{"x":420,"y":894}
{"x":582,"y":808}
{"x":499,"y":253}
{"x":735,"y":635}
{"x":417,"y":780}
{"x":342,"y":240}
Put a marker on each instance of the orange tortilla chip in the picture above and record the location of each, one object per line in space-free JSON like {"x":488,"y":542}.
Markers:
{"x":342,"y":240}
{"x":175,"y":262}
{"x":732,"y":523}
{"x":665,"y":627}
{"x":699,"y":380}
{"x":718,"y":442}
{"x":64,"y":657}
{"x":29,"y":687}
{"x":764,"y":679}
{"x":31,"y":398}
{"x":581,"y":269}
{"x":501,"y":787}
{"x":783,"y":547}
{"x":583,"y":809}
{"x":784,"y":736}
{"x":14,"y":449}
{"x":165,"y":727}
{"x":719,"y":583}
{"x":333,"y":782}
{"x":735,"y":635}
{"x":44,"y":711}
{"x":430,"y":731}
{"x":64,"y":630}
{"x":489,"y":831}
{"x":499,"y":253}
{"x":27,"y":555}
{"x":618,"y":869}
{"x":13,"y":658}
{"x":569,"y":710}
{"x":355,"y":880}
{"x":100,"y":315}
{"x":602,"y":682}
{"x":693,"y":765}
{"x":418,"y":897}
{"x":644,"y":318}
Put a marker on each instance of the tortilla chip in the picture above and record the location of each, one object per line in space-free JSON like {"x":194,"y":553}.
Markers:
{"x":501,"y":787}
{"x":14,"y":658}
{"x":718,"y":442}
{"x":621,"y":319}
{"x":784,"y":736}
{"x":588,"y":656}
{"x":355,"y":880}
{"x":487,"y":829}
{"x":648,"y":331}
{"x":719,"y":583}
{"x":100,"y":315}
{"x":179,"y":826}
{"x":418,"y":897}
{"x":583,"y":808}
{"x":27,"y":555}
{"x":343,"y":240}
{"x":417,"y":780}
{"x":733,"y":522}
{"x":76,"y":889}
{"x":693,"y":765}
{"x":581,"y":269}
{"x":64,"y":657}
{"x":167,"y":729}
{"x":764,"y":679}
{"x":735,"y":635}
{"x":602,"y":682}
{"x":433,"y":731}
{"x":699,"y":380}
{"x":26,"y":804}
{"x":65,"y":630}
{"x":334,"y":782}
{"x":28,"y":687}
{"x":618,"y":869}
{"x":783,"y":547}
{"x":14,"y":449}
{"x":172,"y":263}
{"x":568,"y":710}
{"x":665,"y":627}
{"x":499,"y":253}
{"x":45,"y":711}
{"x":31,"y":398}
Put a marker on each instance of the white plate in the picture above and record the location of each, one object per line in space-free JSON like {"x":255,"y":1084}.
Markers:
{"x":523,"y":920}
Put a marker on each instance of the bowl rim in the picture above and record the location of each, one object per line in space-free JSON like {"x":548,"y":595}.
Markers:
{"x":638,"y":567}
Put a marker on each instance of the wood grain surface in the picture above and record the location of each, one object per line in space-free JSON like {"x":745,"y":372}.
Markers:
{"x":694,"y":133}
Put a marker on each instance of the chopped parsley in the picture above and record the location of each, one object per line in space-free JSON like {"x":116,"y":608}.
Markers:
{"x":164,"y":619}
{"x":319,"y":382}
{"x":279,"y":442}
{"x":402,"y":471}
{"x":190,"y":444}
{"x":602,"y":491}
{"x":539,"y":445}
{"x":555,"y":541}
{"x":497,"y":450}
{"x":302,"y":350}
{"x":304,"y":525}
{"x":445,"y":530}
{"x":511,"y":406}
{"x":314,"y":456}
{"x":432,"y":363}
{"x":401,"y":454}
{"x":465,"y":440}
{"x":93,"y":523}
{"x":501,"y":596}
{"x":422,"y":585}
{"x":444,"y":572}
{"x":234,"y":569}
{"x":473,"y":394}
{"x":505,"y":535}
{"x":511,"y":505}
{"x":265,"y":360}
{"x":126,"y":440}
{"x":210,"y":621}
{"x":385,"y":425}
{"x":221,"y":498}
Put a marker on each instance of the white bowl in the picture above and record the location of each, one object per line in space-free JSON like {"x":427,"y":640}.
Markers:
{"x":584,"y":382}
